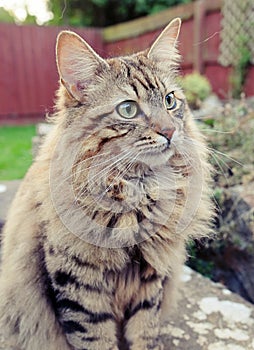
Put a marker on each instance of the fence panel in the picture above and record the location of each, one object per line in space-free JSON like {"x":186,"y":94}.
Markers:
{"x":28,"y":74}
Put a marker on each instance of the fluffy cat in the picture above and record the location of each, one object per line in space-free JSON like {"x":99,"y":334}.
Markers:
{"x":95,"y":239}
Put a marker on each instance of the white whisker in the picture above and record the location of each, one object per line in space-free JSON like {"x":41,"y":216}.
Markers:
{"x":104,"y":171}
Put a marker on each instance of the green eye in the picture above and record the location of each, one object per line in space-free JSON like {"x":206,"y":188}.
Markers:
{"x":170,"y":100}
{"x":128,"y":109}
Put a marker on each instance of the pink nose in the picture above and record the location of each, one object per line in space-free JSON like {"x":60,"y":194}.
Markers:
{"x":168,"y":132}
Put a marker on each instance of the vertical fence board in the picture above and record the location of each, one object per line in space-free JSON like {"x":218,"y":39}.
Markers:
{"x":7,"y":71}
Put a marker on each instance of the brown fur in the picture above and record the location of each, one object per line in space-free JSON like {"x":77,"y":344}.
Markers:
{"x":95,"y":239}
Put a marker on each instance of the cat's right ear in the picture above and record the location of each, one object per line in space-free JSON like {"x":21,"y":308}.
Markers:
{"x":164,"y":49}
{"x":77,"y":63}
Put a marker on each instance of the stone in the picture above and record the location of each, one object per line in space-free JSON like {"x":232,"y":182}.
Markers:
{"x":208,"y":317}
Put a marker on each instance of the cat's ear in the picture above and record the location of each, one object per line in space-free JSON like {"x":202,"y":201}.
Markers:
{"x":77,"y":63}
{"x":164,"y":49}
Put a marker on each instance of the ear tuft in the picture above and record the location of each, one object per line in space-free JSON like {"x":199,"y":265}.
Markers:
{"x":76,"y":63}
{"x":165,"y":46}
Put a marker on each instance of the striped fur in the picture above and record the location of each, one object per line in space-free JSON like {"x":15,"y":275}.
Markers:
{"x":95,"y":239}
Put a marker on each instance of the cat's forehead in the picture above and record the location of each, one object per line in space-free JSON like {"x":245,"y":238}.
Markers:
{"x":129,"y":66}
{"x":142,"y":74}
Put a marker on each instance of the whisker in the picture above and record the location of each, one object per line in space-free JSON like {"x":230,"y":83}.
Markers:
{"x":105,"y":191}
{"x":95,"y":165}
{"x":122,"y":173}
{"x":212,"y":150}
{"x":212,"y":153}
{"x":71,"y":175}
{"x":217,"y":203}
{"x":103,"y":172}
{"x":100,"y":174}
{"x":218,"y":131}
{"x":226,"y":156}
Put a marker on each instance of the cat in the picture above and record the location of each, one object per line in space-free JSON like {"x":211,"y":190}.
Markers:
{"x":95,"y":239}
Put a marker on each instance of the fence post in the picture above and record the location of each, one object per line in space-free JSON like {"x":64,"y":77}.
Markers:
{"x":198,"y":29}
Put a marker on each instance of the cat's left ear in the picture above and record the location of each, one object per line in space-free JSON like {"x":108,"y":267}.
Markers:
{"x":77,"y":63}
{"x":164,"y":49}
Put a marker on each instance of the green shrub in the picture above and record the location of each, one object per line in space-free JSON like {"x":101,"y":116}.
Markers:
{"x":196,"y":88}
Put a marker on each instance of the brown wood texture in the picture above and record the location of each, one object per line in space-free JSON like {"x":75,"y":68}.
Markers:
{"x":28,"y":75}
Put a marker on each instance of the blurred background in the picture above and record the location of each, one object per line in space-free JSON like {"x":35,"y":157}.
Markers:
{"x":217,"y":75}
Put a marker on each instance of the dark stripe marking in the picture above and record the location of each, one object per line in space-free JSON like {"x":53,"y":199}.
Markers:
{"x":128,"y":70}
{"x":140,"y":216}
{"x":113,"y":220}
{"x":134,"y":88}
{"x":149,"y":208}
{"x":90,"y":339}
{"x":82,"y":263}
{"x":72,"y":327}
{"x":149,"y":279}
{"x":146,"y":87}
{"x":16,"y":327}
{"x":158,"y":307}
{"x":50,"y":292}
{"x":94,"y":317}
{"x":51,"y":250}
{"x":107,"y":139}
{"x":145,"y":305}
{"x":69,"y":304}
{"x":99,"y":317}
{"x":95,"y":214}
{"x":151,"y":200}
{"x":62,"y":279}
{"x":146,"y":76}
{"x":37,"y":205}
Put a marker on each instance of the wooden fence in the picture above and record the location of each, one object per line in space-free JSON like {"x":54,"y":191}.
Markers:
{"x":28,"y":75}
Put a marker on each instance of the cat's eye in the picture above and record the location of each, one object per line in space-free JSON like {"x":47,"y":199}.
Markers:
{"x":170,"y":100}
{"x":128,"y":109}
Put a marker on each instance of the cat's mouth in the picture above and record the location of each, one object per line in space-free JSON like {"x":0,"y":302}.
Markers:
{"x":157,"y":155}
{"x":156,"y":148}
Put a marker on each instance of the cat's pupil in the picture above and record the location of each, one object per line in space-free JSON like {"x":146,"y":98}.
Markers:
{"x":170,"y":100}
{"x":128,"y":109}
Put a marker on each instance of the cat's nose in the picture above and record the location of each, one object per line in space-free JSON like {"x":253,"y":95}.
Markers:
{"x":168,"y":132}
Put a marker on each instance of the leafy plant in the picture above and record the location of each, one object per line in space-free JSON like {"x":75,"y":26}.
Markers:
{"x":196,"y":262}
{"x":102,"y":13}
{"x":196,"y":88}
{"x":6,"y":16}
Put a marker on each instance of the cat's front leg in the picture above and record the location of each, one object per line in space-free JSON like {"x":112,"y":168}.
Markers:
{"x":85,"y":328}
{"x":84,"y":306}
{"x":143,"y":319}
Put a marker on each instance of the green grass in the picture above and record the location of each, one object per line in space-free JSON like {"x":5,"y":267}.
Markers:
{"x":15,"y":151}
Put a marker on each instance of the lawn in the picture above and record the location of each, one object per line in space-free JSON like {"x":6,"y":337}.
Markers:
{"x":15,"y":151}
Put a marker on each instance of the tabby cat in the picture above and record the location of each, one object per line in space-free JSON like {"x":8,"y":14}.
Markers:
{"x":95,"y":240}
